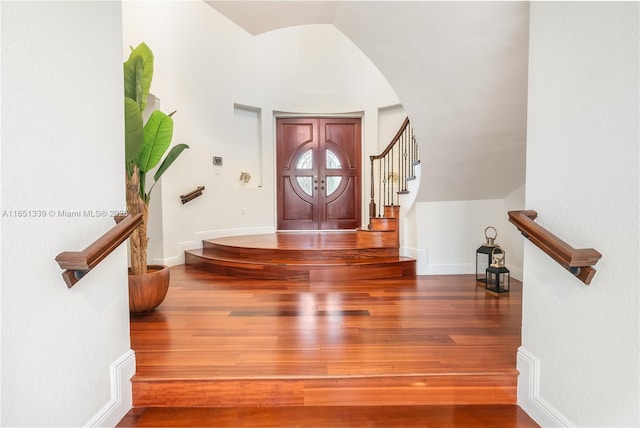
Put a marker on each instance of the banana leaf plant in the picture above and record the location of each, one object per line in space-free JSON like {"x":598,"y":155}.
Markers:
{"x":145,"y":146}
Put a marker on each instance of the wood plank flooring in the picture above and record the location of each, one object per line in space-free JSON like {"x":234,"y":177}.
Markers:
{"x":327,"y":335}
{"x":428,"y":351}
{"x":414,"y":340}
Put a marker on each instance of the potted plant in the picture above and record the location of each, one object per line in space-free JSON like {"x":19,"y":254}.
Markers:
{"x":145,"y":145}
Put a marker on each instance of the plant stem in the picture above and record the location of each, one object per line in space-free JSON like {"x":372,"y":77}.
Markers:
{"x":138,"y":239}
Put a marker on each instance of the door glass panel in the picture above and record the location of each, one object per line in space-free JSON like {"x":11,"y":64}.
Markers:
{"x":305,"y":184}
{"x":332,"y":161}
{"x":306,"y":160}
{"x":332,"y":183}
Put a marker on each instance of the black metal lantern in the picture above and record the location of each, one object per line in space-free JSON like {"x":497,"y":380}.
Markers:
{"x":498,"y":278}
{"x":483,"y":255}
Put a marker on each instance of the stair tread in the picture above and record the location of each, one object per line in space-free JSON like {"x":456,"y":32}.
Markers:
{"x":304,"y":256}
{"x":326,"y":262}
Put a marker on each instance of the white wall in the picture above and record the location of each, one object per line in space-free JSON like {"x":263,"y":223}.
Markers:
{"x":62,"y":150}
{"x":449,"y":233}
{"x":203,"y":69}
{"x":460,"y":71}
{"x":390,"y":118}
{"x":580,"y":344}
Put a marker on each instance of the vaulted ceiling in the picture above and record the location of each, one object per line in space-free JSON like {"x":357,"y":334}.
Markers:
{"x":459,"y":69}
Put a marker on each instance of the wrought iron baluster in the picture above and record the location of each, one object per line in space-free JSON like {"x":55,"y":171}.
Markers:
{"x":396,"y":163}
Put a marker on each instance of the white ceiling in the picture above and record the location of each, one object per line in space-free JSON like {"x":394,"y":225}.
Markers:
{"x":459,"y":69}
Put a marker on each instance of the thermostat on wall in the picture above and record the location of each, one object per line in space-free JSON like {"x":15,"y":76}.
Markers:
{"x":217,"y":160}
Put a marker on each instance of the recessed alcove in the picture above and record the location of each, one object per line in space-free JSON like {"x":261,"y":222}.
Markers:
{"x":247,"y":123}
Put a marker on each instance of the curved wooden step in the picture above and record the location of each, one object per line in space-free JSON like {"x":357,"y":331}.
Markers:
{"x":330,"y":269}
{"x":258,"y":251}
{"x":383,"y":223}
{"x":315,"y":256}
{"x":367,"y":238}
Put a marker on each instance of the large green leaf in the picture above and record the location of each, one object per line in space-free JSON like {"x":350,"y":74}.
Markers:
{"x":133,"y":136}
{"x":157,"y":136}
{"x":131,"y":66}
{"x":166,"y":163}
{"x":171,"y":156}
{"x":138,"y":73}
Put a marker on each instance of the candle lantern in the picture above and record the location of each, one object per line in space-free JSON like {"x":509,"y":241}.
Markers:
{"x":498,"y":278}
{"x":483,"y":255}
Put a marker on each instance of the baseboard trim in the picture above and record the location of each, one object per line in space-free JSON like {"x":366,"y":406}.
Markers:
{"x":529,"y":398}
{"x":121,"y":401}
{"x":516,"y":272}
{"x":220,"y":233}
{"x":420,"y":256}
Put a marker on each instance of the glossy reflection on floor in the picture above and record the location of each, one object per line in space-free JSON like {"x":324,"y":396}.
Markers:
{"x":407,"y":352}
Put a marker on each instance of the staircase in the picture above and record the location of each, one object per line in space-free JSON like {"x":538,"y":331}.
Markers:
{"x":382,"y":231}
{"x":392,"y":169}
{"x":304,"y":256}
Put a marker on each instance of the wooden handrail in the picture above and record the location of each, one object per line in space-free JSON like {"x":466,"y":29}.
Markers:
{"x":78,"y":263}
{"x":192,"y":194}
{"x":577,"y":261}
{"x":393,"y":141}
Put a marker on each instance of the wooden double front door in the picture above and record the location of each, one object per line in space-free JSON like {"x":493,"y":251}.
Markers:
{"x":318,"y":167}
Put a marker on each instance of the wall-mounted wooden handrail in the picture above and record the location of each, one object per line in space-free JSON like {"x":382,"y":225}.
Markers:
{"x":192,"y":195}
{"x":577,"y":261}
{"x":78,"y":263}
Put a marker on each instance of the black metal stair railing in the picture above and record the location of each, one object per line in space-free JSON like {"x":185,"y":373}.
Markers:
{"x":391,"y":169}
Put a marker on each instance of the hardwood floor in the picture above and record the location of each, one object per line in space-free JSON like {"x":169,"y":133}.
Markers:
{"x":215,"y":326}
{"x":326,"y":350}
